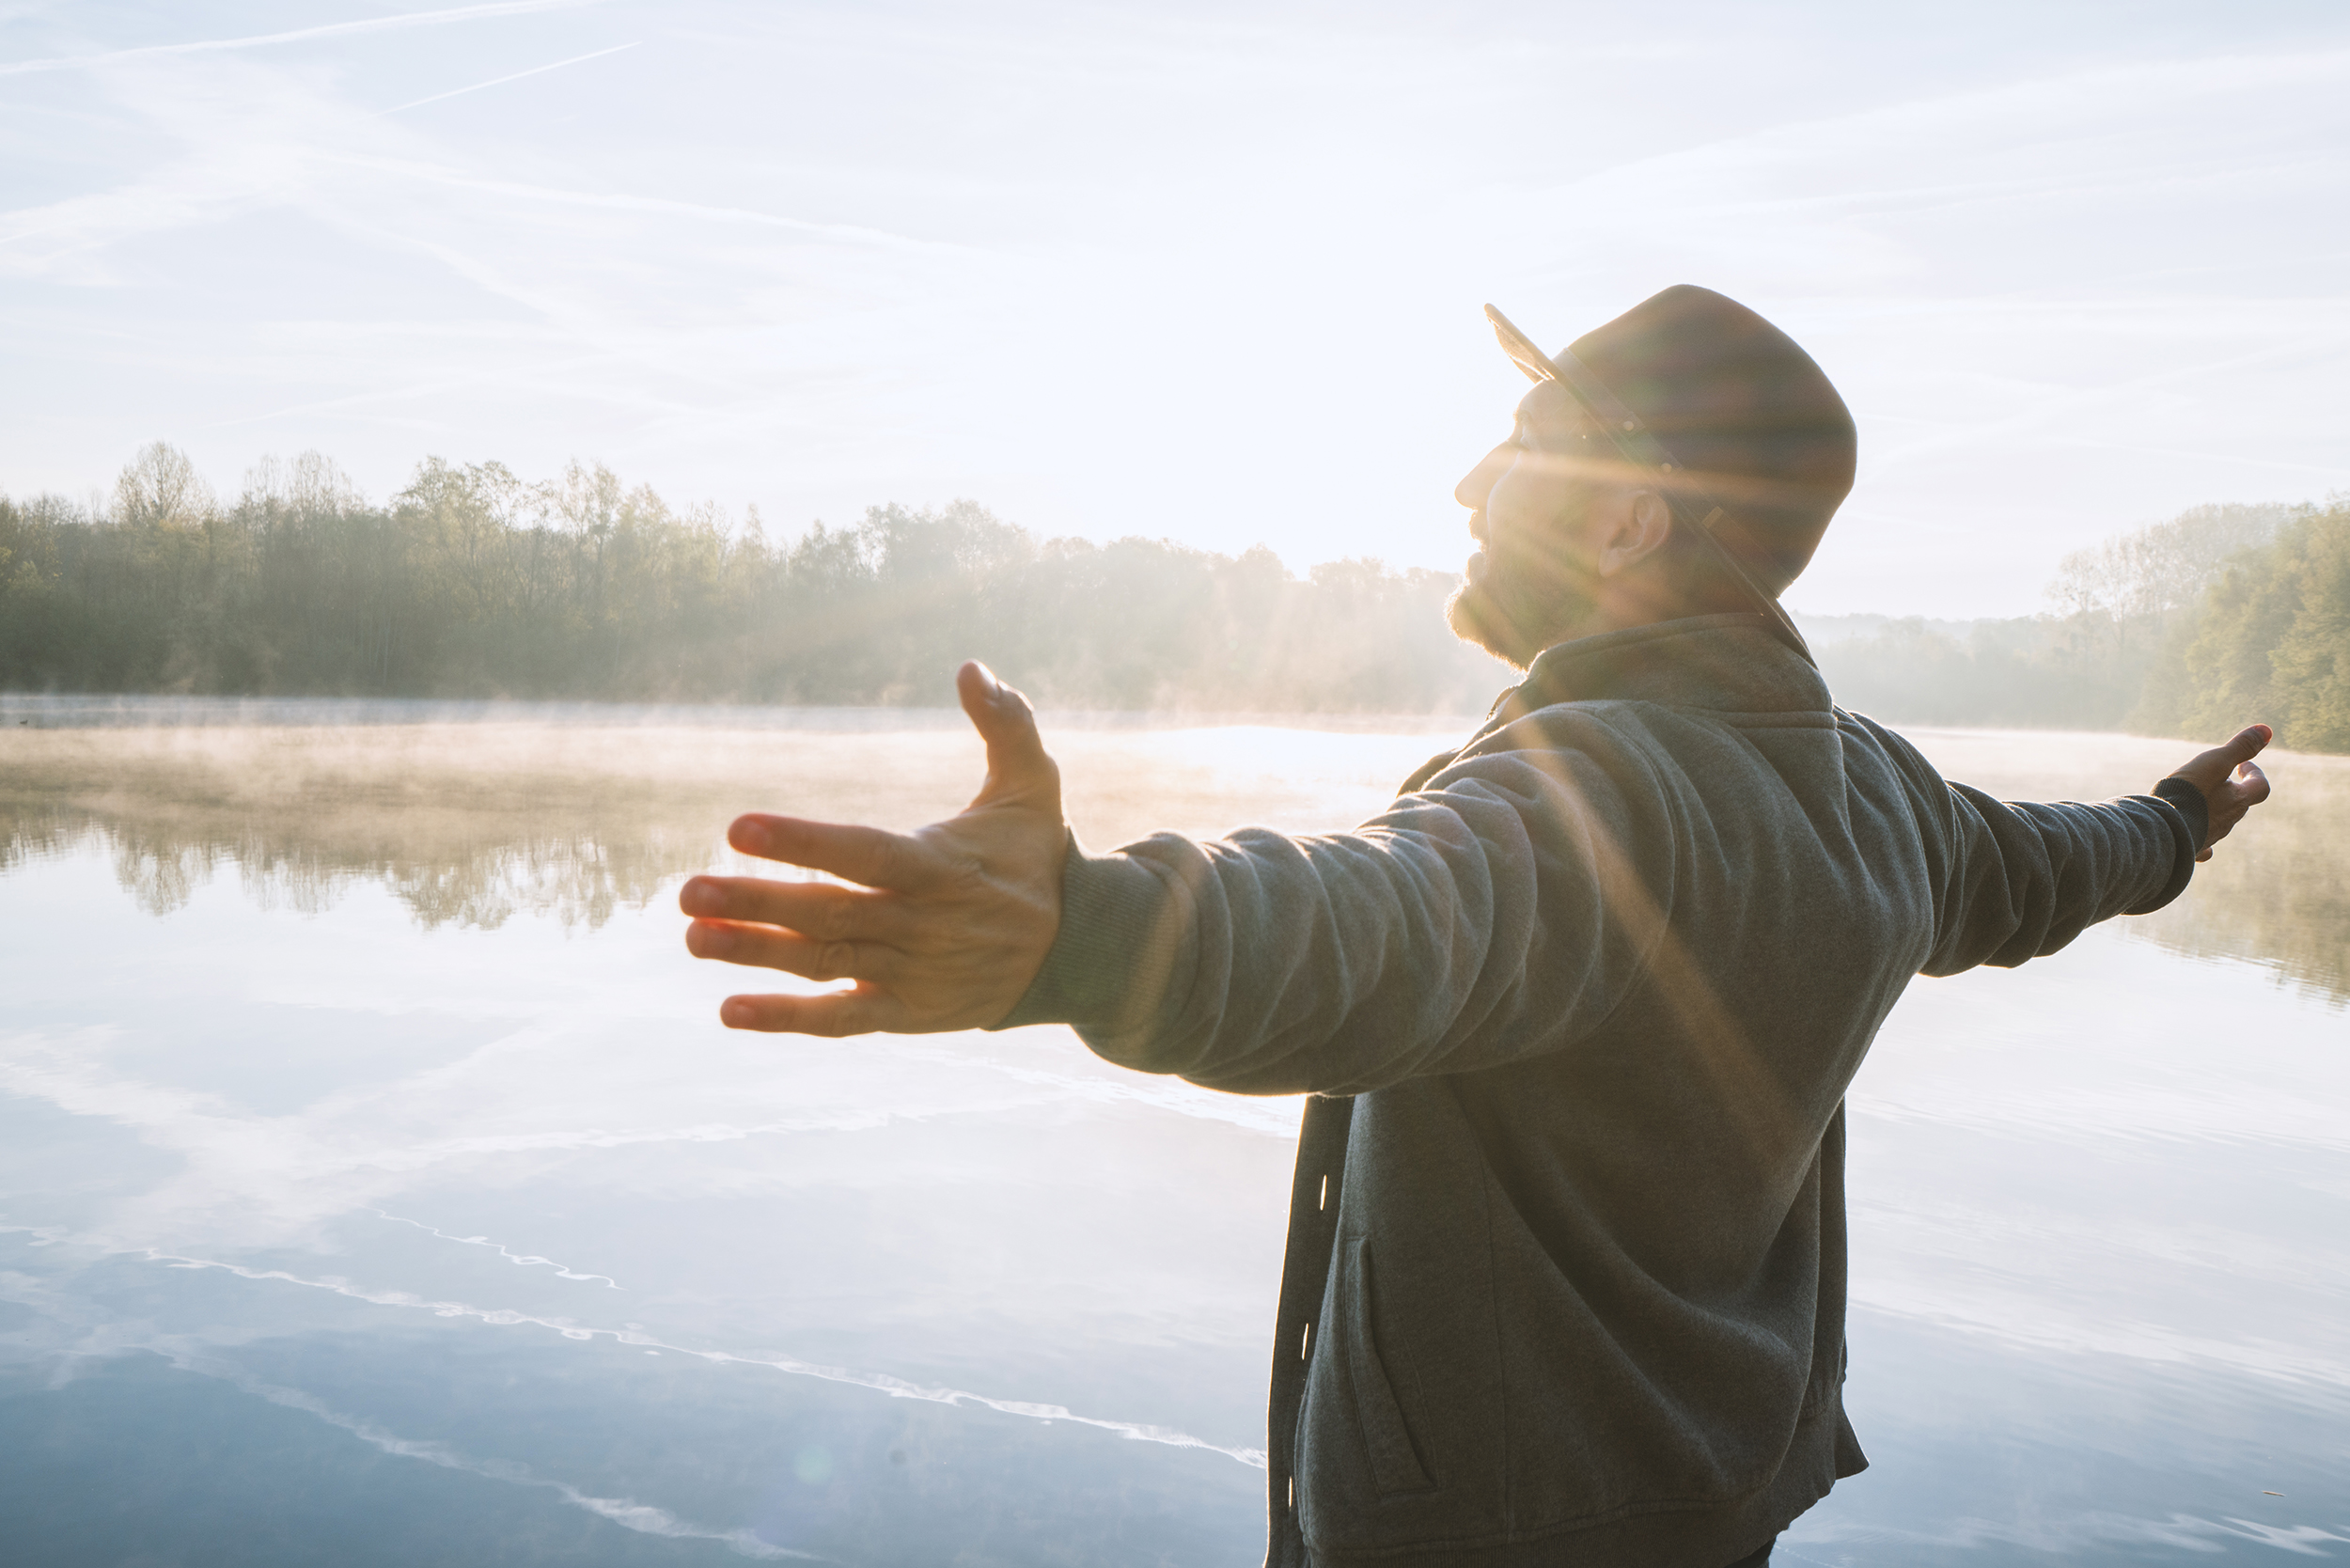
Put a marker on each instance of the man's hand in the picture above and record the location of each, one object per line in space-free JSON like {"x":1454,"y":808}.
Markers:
{"x":947,"y":926}
{"x":2231,"y":783}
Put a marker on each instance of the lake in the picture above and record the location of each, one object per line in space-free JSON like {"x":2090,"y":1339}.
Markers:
{"x":378,"y":1186}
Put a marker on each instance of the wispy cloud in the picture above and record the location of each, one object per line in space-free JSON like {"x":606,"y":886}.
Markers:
{"x":883,"y":1383}
{"x":521,"y":1260}
{"x":2087,"y":1535}
{"x":1275,"y":1117}
{"x":763,"y":278}
{"x":621,"y":201}
{"x":360,"y":1150}
{"x":511,"y":76}
{"x":192,"y":1356}
{"x":298,"y":34}
{"x":2013,"y":142}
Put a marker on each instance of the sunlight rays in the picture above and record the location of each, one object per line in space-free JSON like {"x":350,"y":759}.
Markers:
{"x":817,"y":259}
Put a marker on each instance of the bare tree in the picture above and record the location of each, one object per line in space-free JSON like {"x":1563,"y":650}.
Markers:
{"x":162,"y":490}
{"x":2163,"y":568}
{"x":311,"y":486}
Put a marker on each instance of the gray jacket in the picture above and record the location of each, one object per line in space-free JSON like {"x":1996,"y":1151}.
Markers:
{"x":1565,"y":1280}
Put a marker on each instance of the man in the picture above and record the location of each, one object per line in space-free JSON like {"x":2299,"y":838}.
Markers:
{"x":1565,"y":1280}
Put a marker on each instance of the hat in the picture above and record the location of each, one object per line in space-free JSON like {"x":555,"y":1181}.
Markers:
{"x":1693,"y":385}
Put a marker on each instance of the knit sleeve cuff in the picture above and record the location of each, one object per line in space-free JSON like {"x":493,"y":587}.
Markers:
{"x":1117,"y":944}
{"x":2189,"y":816}
{"x":2183,"y":793}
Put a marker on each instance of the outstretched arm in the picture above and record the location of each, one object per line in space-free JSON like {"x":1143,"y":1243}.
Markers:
{"x":1462,"y":927}
{"x":2021,"y":879}
{"x":945,"y":927}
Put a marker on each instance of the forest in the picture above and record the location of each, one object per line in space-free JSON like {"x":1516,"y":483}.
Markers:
{"x":2194,"y":627}
{"x":472,"y":583}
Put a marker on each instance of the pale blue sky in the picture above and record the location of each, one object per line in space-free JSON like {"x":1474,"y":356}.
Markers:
{"x":1212,"y":272}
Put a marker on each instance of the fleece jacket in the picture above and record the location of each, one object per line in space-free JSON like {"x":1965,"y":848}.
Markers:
{"x":1566,"y":1268}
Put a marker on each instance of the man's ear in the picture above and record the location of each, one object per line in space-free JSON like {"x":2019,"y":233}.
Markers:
{"x":1639,"y":531}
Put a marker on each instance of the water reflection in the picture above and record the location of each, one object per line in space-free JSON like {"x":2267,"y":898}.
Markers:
{"x":392,"y":1005}
{"x":464,"y":826}
{"x":467,"y":823}
{"x":376,"y":1167}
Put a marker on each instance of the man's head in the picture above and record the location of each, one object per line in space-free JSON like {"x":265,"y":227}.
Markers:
{"x":1575,"y":539}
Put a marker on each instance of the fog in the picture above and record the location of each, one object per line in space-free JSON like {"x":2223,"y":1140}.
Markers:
{"x":567,"y":812}
{"x":469,"y":814}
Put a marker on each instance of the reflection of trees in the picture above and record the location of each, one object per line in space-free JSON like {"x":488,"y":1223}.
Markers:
{"x":2277,"y":889}
{"x":464,"y":831}
{"x":470,"y":825}
{"x":446,"y":874}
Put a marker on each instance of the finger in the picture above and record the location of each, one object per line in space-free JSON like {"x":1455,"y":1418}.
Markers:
{"x":770,"y":948}
{"x":862,"y":1010}
{"x":868,"y":855}
{"x":2236,"y":797}
{"x":1017,"y":762}
{"x":819,"y":910}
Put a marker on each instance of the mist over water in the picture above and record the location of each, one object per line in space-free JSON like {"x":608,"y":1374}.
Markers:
{"x":376,"y":1183}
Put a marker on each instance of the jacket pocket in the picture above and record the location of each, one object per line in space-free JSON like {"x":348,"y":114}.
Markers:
{"x":1395,"y":1460}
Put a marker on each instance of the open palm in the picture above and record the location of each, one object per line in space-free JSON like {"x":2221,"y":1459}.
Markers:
{"x":944,"y":927}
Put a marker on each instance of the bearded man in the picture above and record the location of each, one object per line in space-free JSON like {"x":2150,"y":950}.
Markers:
{"x":1575,"y":1015}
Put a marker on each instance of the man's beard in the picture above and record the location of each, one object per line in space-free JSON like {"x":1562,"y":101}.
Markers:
{"x":1510,"y":618}
{"x":1476,"y":619}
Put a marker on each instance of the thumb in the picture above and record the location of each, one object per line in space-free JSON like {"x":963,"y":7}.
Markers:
{"x":2207,"y":771}
{"x":2247,"y":744}
{"x":1017,"y":762}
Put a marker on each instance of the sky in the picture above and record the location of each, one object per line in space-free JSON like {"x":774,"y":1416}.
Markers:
{"x":1208,"y":272}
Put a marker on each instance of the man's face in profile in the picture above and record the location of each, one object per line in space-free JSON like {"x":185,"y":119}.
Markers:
{"x":1529,"y":580}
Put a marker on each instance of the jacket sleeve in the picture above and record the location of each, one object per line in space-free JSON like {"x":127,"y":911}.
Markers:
{"x":2017,"y":880}
{"x":1477,"y":921}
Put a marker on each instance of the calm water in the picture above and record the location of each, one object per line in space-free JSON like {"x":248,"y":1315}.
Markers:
{"x":377,"y":1187}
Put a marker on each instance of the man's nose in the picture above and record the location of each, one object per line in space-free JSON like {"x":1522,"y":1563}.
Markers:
{"x":1478,"y":482}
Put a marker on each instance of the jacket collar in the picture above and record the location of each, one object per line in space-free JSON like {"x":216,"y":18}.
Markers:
{"x":1725,"y":663}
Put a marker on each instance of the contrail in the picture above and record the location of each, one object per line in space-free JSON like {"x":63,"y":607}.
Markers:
{"x":498,"y":81}
{"x":664,"y":206}
{"x":332,"y":30}
{"x":896,"y":1387}
{"x":627,"y":1512}
{"x":516,"y":1258}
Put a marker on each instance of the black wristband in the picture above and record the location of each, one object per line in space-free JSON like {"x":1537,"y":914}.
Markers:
{"x":2191,"y":805}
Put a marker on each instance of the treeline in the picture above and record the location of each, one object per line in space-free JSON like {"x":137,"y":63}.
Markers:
{"x":2270,"y":641}
{"x":471,"y":583}
{"x":2024,"y":672}
{"x":2223,"y":615}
